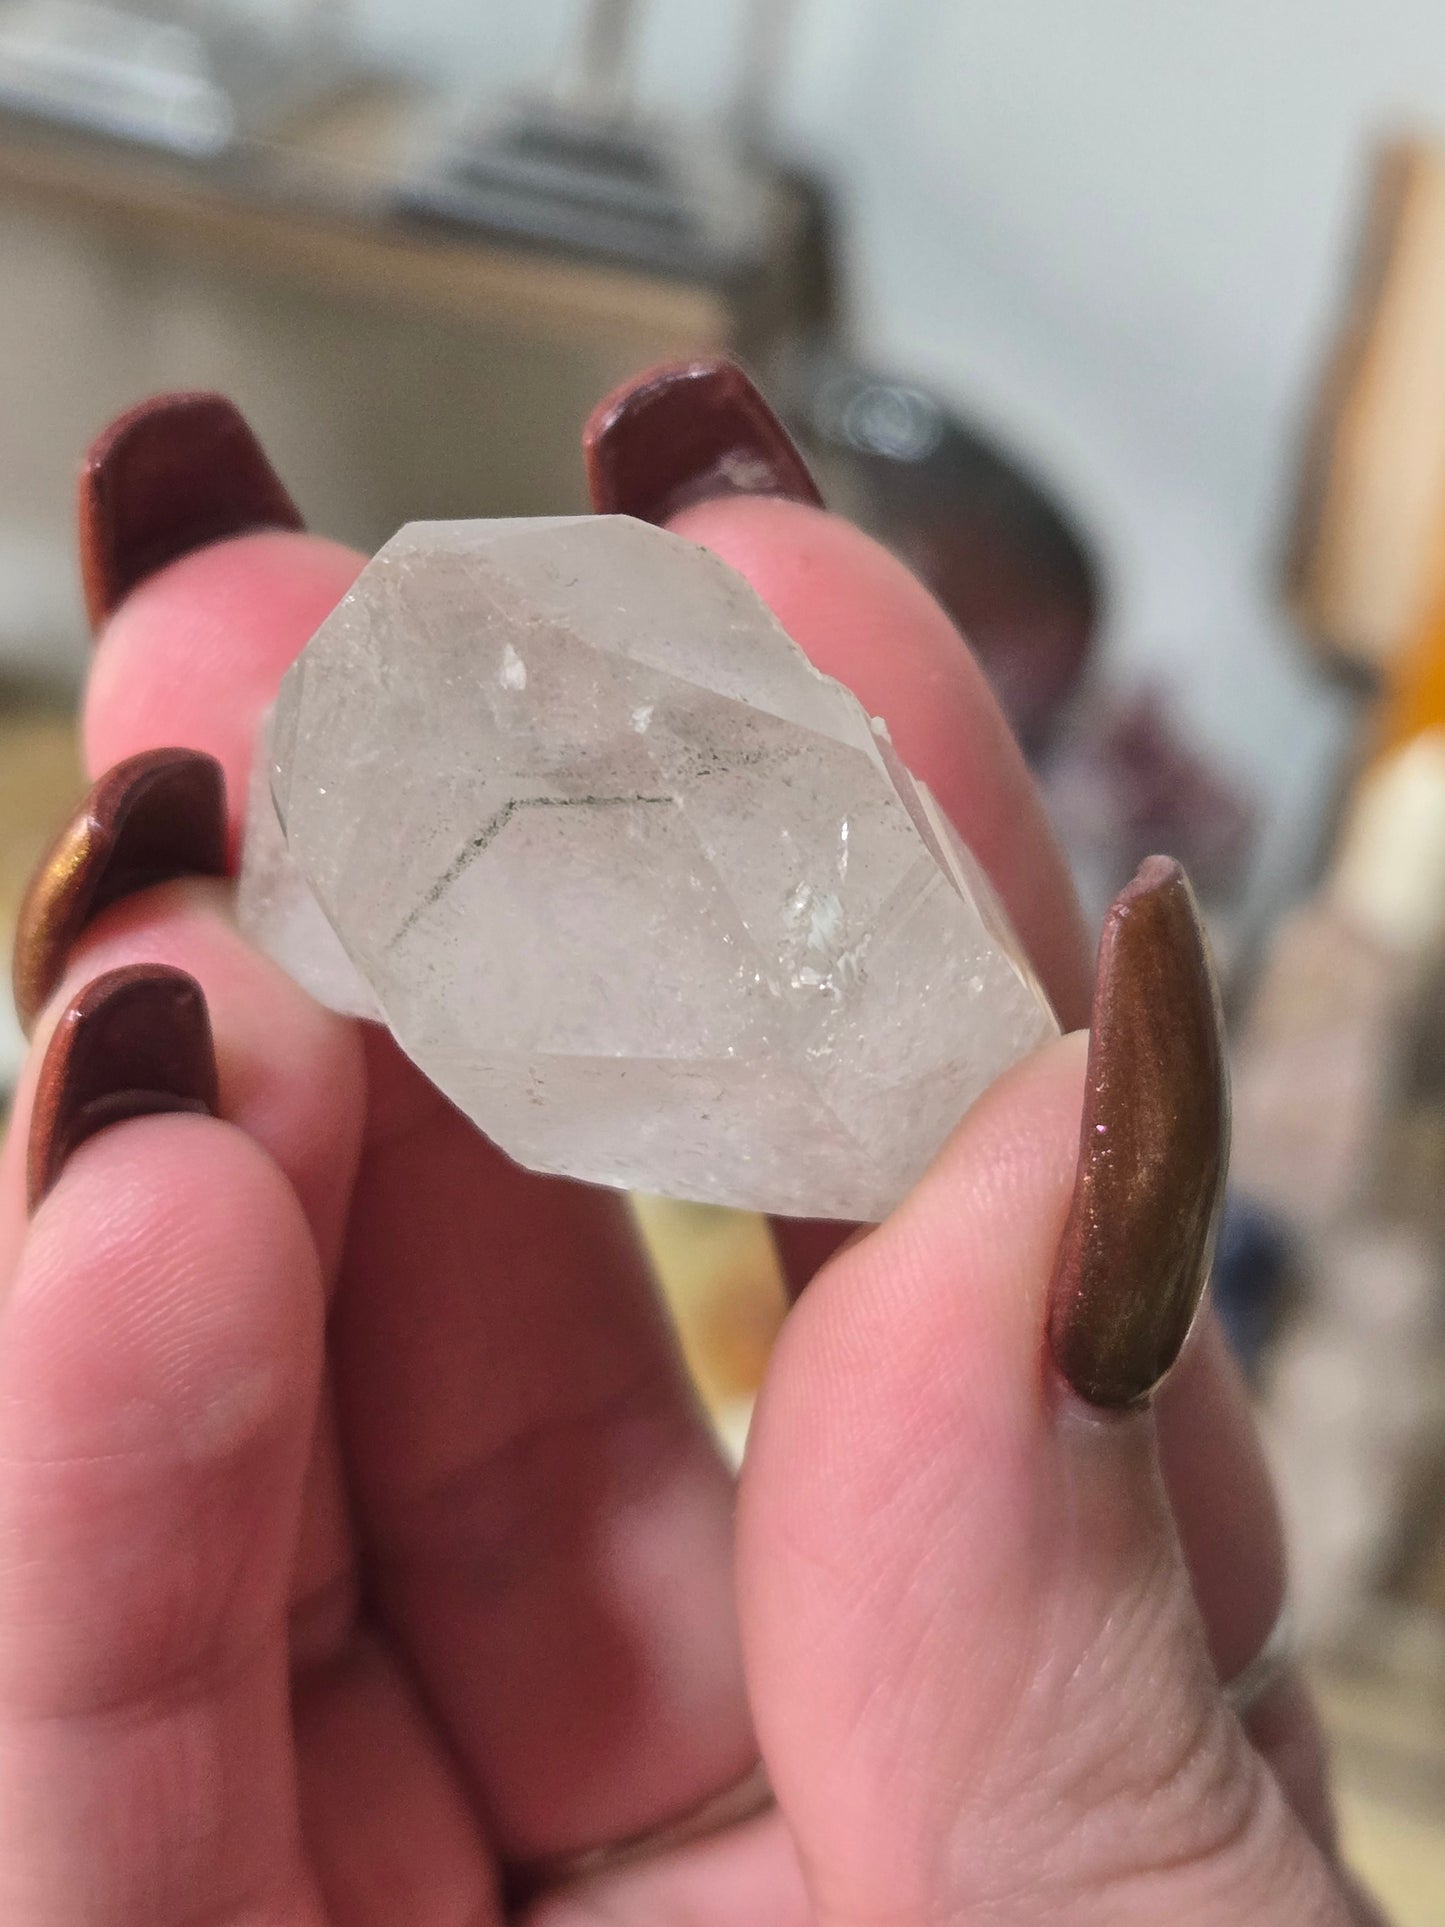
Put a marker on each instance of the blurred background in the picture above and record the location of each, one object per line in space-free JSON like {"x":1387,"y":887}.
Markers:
{"x":1123,"y":323}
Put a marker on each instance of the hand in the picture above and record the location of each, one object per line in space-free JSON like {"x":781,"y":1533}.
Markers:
{"x":364,"y":1558}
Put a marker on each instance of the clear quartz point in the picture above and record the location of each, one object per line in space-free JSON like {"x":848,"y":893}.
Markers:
{"x":647,"y":896}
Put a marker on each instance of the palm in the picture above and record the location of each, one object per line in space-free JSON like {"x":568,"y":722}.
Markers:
{"x":515,"y":1514}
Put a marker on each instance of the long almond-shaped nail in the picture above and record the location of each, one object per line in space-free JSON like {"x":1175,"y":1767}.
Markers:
{"x":687,"y":432}
{"x":167,"y":477}
{"x":134,"y":1042}
{"x":1153,"y":1150}
{"x":155,"y":816}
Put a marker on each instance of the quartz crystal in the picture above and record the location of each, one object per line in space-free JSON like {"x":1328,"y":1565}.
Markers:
{"x":647,"y":896}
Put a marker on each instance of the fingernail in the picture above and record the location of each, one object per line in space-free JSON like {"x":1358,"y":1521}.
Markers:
{"x":1153,"y":1150}
{"x":167,"y":477}
{"x":134,"y":1042}
{"x":688,"y":432}
{"x":155,"y":816}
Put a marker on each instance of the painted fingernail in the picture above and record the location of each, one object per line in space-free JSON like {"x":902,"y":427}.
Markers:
{"x":155,"y":816}
{"x":135,"y":1042}
{"x":1153,"y":1150}
{"x":167,"y":477}
{"x":687,"y":432}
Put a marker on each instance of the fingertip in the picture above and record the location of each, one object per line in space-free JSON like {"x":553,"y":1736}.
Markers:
{"x":175,"y":472}
{"x":168,"y":1269}
{"x":291,"y":1074}
{"x":150,"y":818}
{"x":193,"y":655}
{"x":825,"y":577}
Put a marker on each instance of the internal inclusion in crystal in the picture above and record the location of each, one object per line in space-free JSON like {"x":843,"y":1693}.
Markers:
{"x":650,"y":899}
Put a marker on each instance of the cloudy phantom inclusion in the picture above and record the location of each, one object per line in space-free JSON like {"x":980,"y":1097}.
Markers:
{"x":649,"y":898}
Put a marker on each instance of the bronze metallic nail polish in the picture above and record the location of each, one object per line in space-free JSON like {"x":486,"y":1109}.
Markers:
{"x":167,"y":477}
{"x":687,"y":432}
{"x":1153,"y":1150}
{"x":155,"y":816}
{"x":134,"y":1042}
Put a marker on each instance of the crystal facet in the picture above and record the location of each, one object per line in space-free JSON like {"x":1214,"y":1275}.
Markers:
{"x":647,"y":896}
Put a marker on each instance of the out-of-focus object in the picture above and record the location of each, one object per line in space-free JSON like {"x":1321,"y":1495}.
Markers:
{"x":1337,"y":1030}
{"x":1007,"y":562}
{"x":1384,"y":1711}
{"x":1413,"y":700}
{"x":39,"y":782}
{"x":188,"y":78}
{"x":1251,"y":1276}
{"x":1315,"y":1066}
{"x":1389,"y":874}
{"x":582,"y":169}
{"x":1353,"y":1395}
{"x":1338,"y":1112}
{"x":1320,"y":1059}
{"x":394,"y":368}
{"x":720,"y":1276}
{"x":1125,"y":781}
{"x":1367,"y":548}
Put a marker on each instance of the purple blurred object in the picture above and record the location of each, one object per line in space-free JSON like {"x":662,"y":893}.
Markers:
{"x":1124,"y":783}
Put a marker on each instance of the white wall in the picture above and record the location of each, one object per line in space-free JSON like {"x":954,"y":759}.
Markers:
{"x":1114,"y":228}
{"x":1127,"y":224}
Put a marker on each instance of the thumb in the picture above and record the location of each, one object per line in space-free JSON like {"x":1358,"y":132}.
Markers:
{"x":981,"y":1682}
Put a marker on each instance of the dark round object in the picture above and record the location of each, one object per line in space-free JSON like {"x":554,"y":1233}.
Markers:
{"x":1007,"y":562}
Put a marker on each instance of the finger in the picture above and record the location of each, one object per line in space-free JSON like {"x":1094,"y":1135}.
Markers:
{"x":497,"y":1336}
{"x":1137,"y":1245}
{"x":363,"y":1738}
{"x":160,"y":1351}
{"x":1234,"y":1546}
{"x":983,"y":1686}
{"x":694,"y":445}
{"x":386,"y":1820}
{"x":548,"y":1519}
{"x":291,"y":1072}
{"x":748,"y":1873}
{"x":265,"y":1032}
{"x":195,"y":653}
{"x":190,"y":656}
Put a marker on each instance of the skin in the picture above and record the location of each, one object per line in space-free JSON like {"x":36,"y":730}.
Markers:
{"x":359,"y":1536}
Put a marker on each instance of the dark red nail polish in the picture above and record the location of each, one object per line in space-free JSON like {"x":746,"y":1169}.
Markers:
{"x":167,"y":477}
{"x":134,"y":1042}
{"x":155,"y":816}
{"x":688,"y":432}
{"x":1153,"y":1150}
